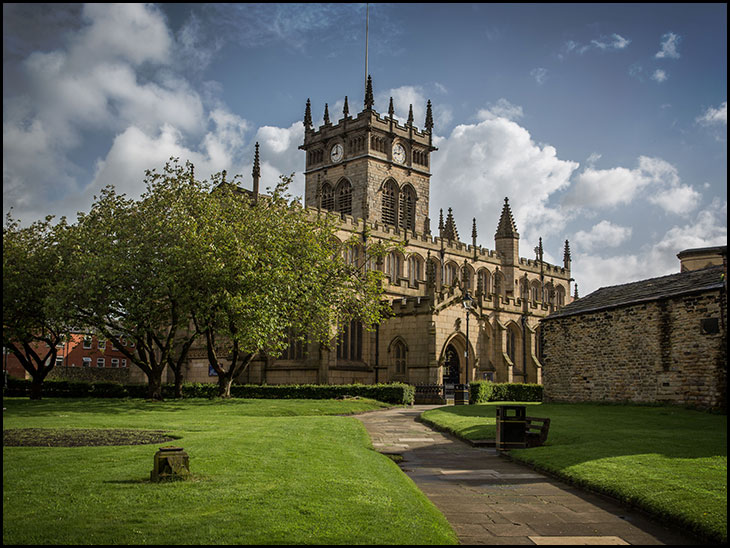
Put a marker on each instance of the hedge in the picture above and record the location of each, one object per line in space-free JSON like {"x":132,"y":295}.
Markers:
{"x":485,"y":391}
{"x":396,"y":393}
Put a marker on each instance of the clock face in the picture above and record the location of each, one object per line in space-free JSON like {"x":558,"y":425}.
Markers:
{"x":399,"y":153}
{"x":336,"y":153}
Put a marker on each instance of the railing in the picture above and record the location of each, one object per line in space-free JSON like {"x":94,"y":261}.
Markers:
{"x":441,"y":393}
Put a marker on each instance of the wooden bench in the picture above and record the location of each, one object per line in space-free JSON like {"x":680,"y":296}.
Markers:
{"x":536,"y":430}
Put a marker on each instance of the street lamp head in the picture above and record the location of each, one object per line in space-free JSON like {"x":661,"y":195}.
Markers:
{"x":466,"y":300}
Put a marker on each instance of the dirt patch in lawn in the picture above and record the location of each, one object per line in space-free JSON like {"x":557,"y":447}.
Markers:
{"x":80,"y":437}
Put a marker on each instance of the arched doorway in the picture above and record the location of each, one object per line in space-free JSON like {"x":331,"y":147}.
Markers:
{"x":452,"y":366}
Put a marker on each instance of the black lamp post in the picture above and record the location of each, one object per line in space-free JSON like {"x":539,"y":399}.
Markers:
{"x":467,"y":302}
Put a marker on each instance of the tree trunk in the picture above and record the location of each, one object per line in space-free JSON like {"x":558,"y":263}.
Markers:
{"x":224,"y":385}
{"x":36,"y":388}
{"x":155,"y":385}
{"x":178,"y":383}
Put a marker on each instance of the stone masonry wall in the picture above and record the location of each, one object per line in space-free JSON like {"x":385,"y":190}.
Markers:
{"x":661,"y":351}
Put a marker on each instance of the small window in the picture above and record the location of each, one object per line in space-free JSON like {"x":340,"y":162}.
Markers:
{"x":87,"y":362}
{"x":115,"y":362}
{"x":124,"y":362}
{"x":87,"y":343}
{"x":100,"y":362}
{"x":400,"y":357}
{"x":102,"y":344}
{"x":59,"y":362}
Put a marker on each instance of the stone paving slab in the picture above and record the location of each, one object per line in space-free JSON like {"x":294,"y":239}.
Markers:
{"x":490,"y":500}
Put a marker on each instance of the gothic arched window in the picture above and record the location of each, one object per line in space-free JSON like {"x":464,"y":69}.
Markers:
{"x":328,"y":197}
{"x":393,"y":266}
{"x":390,"y":203}
{"x":350,"y":342}
{"x":400,"y":351}
{"x":450,"y":274}
{"x":343,"y":195}
{"x":415,"y":270}
{"x":407,"y":218}
{"x":485,"y":281}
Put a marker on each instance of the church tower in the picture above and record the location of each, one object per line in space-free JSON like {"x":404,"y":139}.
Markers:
{"x":369,"y":166}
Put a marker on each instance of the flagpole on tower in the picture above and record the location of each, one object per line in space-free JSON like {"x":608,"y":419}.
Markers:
{"x":367,"y":19}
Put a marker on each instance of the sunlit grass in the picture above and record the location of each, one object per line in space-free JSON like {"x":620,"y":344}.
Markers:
{"x":263,"y":472}
{"x":669,"y":461}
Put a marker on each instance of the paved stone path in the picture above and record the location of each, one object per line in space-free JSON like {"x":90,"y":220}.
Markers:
{"x":488,"y":499}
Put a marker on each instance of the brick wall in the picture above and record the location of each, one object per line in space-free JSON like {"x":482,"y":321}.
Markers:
{"x":670,"y":350}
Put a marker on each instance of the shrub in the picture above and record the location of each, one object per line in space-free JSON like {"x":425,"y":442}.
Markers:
{"x":485,"y":391}
{"x":396,"y":393}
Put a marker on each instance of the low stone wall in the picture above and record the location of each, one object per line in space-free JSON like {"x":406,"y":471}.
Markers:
{"x":670,"y":350}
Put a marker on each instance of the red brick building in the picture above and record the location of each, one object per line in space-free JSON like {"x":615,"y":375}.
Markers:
{"x":80,"y":350}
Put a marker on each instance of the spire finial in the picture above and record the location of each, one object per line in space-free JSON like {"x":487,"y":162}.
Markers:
{"x":566,"y":255}
{"x":429,"y":117}
{"x":346,"y":109}
{"x":308,"y":116}
{"x":391,"y":110}
{"x":474,"y":229}
{"x":410,"y":115}
{"x":326,"y":114}
{"x":369,"y":93}
{"x":450,"y":227}
{"x":506,"y":227}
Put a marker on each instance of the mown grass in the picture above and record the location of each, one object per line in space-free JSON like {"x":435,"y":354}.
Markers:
{"x":263,"y":472}
{"x":669,"y":461}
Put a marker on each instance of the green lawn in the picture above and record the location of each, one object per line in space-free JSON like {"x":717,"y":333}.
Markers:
{"x":669,"y":461}
{"x":264,"y":472}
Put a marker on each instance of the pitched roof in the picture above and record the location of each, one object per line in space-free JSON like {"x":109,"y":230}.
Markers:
{"x":645,"y":290}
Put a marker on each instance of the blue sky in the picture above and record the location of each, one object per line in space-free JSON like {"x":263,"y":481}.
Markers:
{"x":604,"y":124}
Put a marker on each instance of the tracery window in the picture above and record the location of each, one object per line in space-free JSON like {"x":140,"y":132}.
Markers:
{"x":511,"y":344}
{"x":415,"y":270}
{"x":350,"y":341}
{"x":407,"y":218}
{"x":485,"y":280}
{"x":390,"y":203}
{"x":450,"y":274}
{"x":295,"y":348}
{"x":343,"y":196}
{"x":393,"y":266}
{"x":328,"y":197}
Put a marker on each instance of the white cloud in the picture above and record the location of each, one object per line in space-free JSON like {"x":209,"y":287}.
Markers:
{"x":714,"y":116}
{"x":657,"y":258}
{"x":669,"y":44}
{"x":92,"y":87}
{"x":480,"y":164}
{"x":654,"y":178}
{"x":539,"y":74}
{"x":403,"y":98}
{"x":679,"y":200}
{"x":501,"y":109}
{"x":659,"y":76}
{"x":613,"y":42}
{"x":602,"y":235}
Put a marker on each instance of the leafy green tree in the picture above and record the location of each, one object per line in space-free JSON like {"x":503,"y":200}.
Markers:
{"x":35,"y":316}
{"x":135,"y":265}
{"x":273,"y":267}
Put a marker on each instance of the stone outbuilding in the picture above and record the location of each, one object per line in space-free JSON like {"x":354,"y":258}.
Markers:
{"x":657,"y":340}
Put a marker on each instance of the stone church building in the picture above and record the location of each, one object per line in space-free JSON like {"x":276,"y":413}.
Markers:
{"x":660,"y":340}
{"x":460,"y":312}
